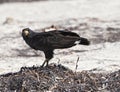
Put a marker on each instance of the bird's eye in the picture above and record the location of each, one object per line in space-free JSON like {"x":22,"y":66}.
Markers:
{"x":26,"y":32}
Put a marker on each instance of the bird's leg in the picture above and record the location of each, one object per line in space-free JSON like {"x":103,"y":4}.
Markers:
{"x":48,"y":56}
{"x":46,"y":61}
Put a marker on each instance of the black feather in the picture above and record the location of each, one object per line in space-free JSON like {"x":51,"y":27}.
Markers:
{"x":48,"y":41}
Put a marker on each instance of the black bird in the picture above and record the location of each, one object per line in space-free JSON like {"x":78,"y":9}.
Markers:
{"x":51,"y":40}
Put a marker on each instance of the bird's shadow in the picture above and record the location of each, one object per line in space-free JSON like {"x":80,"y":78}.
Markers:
{"x":70,"y":52}
{"x":77,"y":51}
{"x":26,"y":53}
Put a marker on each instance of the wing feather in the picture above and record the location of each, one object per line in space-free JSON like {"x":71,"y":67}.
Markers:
{"x":62,"y":39}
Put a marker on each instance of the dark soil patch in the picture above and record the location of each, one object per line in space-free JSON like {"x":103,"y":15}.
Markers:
{"x":57,"y":78}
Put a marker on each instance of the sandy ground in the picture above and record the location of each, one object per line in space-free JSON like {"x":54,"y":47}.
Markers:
{"x":100,"y":57}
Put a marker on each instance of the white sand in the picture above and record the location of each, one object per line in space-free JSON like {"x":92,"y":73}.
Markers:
{"x":100,"y":57}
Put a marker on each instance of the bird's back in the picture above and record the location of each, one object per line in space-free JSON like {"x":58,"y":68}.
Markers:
{"x":61,"y":39}
{"x":58,"y":39}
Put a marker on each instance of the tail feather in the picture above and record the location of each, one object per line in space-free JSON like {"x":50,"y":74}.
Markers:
{"x":84,"y":41}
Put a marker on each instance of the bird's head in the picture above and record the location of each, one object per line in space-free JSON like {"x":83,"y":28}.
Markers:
{"x":26,"y":32}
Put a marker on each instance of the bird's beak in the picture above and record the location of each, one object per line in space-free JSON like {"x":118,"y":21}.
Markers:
{"x":26,"y":32}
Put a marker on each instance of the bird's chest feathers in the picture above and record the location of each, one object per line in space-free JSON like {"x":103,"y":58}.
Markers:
{"x":36,"y":44}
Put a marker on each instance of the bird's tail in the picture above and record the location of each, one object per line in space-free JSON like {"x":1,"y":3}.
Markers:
{"x":84,"y":41}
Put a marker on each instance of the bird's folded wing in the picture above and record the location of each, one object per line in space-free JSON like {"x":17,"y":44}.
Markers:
{"x":60,"y":40}
{"x":56,"y":39}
